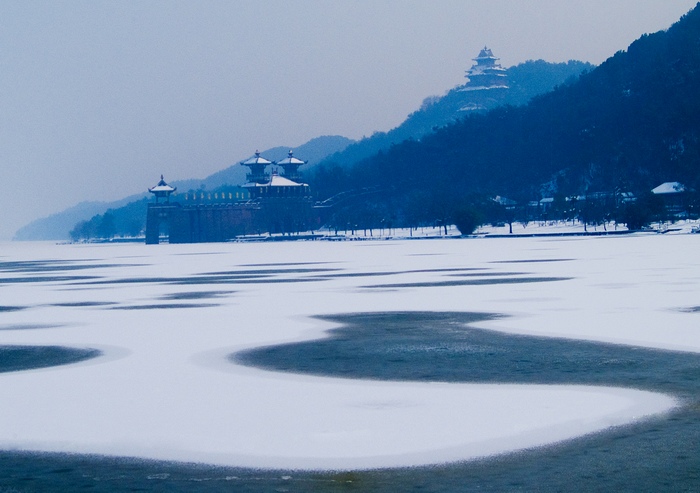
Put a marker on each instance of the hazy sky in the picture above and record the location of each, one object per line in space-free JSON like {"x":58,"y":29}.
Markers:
{"x":98,"y":98}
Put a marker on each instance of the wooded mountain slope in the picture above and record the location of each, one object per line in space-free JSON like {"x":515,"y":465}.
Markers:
{"x":525,"y":81}
{"x":628,"y":125}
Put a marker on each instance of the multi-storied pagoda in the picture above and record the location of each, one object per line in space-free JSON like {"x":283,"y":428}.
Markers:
{"x":486,"y":73}
{"x":257,"y":165}
{"x":290,"y":165}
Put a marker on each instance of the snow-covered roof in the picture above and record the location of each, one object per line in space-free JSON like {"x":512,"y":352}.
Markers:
{"x":290,"y":159}
{"x":276,"y":181}
{"x":257,"y":159}
{"x":493,"y":70}
{"x":485,"y":54}
{"x":669,"y":187}
{"x":281,"y":181}
{"x":162,"y":187}
{"x":482,"y":88}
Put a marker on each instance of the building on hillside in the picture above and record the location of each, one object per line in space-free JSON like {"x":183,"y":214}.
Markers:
{"x":674,"y":196}
{"x":486,"y":73}
{"x":267,"y":203}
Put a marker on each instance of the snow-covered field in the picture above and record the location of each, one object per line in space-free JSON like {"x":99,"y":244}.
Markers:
{"x":166,"y":317}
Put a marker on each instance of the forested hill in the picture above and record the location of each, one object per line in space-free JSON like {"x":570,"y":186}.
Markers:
{"x":524,"y":80}
{"x":628,"y":125}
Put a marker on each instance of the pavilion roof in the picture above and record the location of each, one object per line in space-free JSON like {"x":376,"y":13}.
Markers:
{"x":486,"y":54}
{"x":290,"y":159}
{"x":162,"y":187}
{"x":257,"y":159}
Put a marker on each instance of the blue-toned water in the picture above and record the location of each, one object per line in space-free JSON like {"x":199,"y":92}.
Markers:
{"x":15,"y":358}
{"x":660,"y":454}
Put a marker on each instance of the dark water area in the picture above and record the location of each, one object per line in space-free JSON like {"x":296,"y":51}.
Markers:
{"x":11,"y":308}
{"x":419,"y":346}
{"x":164,"y":306}
{"x":476,"y":276}
{"x":28,"y":326}
{"x":17,"y":358}
{"x":468,"y":282}
{"x":83,"y":304}
{"x":26,"y":280}
{"x":34,"y":266}
{"x":29,"y":270}
{"x":197,"y":295}
{"x":657,"y":454}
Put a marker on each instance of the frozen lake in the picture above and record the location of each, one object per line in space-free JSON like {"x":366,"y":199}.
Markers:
{"x":439,"y":351}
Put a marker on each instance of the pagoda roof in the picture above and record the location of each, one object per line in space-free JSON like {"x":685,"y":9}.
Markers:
{"x":257,"y":159}
{"x":162,"y":187}
{"x":290,"y":159}
{"x":485,"y":54}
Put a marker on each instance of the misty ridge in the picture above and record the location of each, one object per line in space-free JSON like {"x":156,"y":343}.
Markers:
{"x":553,"y":131}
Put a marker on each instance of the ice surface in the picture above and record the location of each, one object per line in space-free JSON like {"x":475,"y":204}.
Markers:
{"x":164,"y":388}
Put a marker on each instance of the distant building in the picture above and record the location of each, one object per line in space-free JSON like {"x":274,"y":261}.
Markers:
{"x":267,"y":203}
{"x":159,"y":214}
{"x":486,"y":73}
{"x":674,"y":196}
{"x":291,"y":165}
{"x":285,"y":205}
{"x":257,"y":165}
